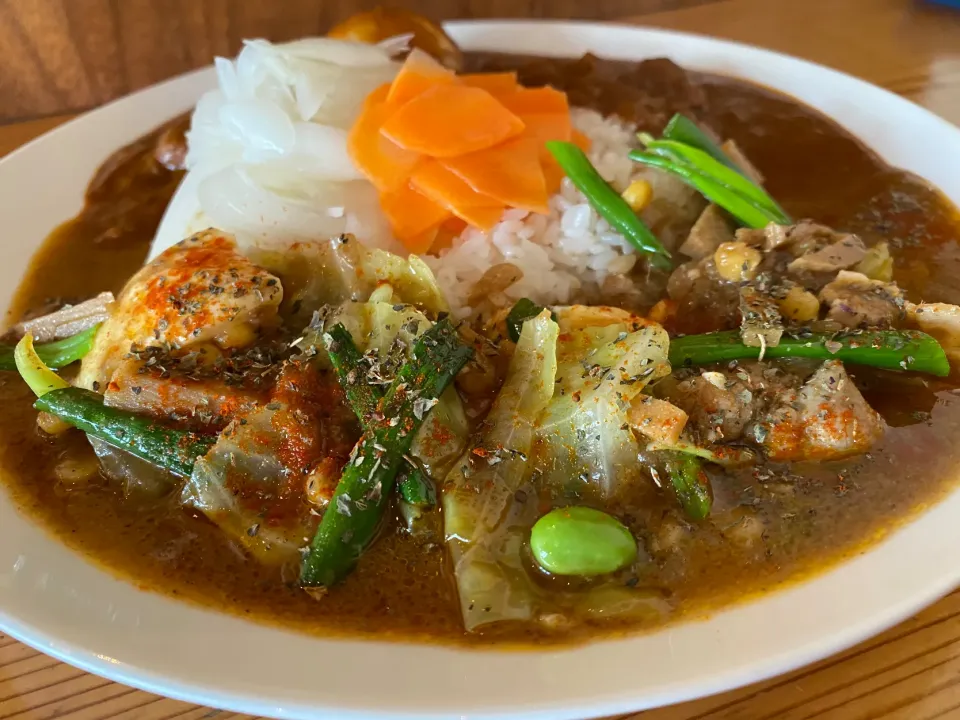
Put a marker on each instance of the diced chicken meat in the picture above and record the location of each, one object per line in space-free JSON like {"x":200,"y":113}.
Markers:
{"x":940,"y":320}
{"x":723,"y":405}
{"x":152,"y":390}
{"x":840,"y":255}
{"x":657,"y":420}
{"x":200,"y":290}
{"x":710,"y":231}
{"x":856,"y":301}
{"x":68,"y":320}
{"x":827,"y":419}
{"x":803,"y":238}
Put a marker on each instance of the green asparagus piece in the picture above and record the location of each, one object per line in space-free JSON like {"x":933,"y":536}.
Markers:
{"x":351,"y":520}
{"x":168,"y":448}
{"x":415,"y":487}
{"x":690,"y":483}
{"x":56,"y":354}
{"x":732,"y":179}
{"x":887,"y":349}
{"x":683,"y":129}
{"x":741,"y":207}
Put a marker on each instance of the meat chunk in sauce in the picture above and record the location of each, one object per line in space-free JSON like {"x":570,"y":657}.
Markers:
{"x":857,"y":301}
{"x":723,"y":404}
{"x":827,"y":419}
{"x":199,"y":291}
{"x":207,"y":401}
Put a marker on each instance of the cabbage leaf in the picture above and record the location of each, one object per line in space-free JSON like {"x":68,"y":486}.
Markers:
{"x":489,"y":500}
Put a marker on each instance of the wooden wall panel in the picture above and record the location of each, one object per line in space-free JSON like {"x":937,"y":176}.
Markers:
{"x":65,"y":55}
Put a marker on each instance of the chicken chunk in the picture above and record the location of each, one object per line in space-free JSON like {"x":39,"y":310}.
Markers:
{"x":711,"y":230}
{"x":857,"y":301}
{"x":940,"y":320}
{"x":844,"y":253}
{"x":153,"y":390}
{"x":658,"y":420}
{"x":200,"y":290}
{"x":827,"y":419}
{"x":723,"y":405}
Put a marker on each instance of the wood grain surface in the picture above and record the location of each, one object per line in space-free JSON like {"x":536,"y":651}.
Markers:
{"x":911,"y":672}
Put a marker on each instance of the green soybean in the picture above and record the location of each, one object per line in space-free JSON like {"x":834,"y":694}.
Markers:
{"x":581,"y":541}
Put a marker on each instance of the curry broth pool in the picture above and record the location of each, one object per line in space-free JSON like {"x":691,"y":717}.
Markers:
{"x":771,"y":523}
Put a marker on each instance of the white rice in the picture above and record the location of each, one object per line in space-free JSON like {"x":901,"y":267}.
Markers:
{"x":571,"y":251}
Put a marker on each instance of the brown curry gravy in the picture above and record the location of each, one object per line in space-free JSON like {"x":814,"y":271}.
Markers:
{"x":404,"y":590}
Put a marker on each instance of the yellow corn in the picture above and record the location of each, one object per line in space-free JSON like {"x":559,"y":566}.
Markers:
{"x":638,"y":195}
{"x":799,"y":305}
{"x":737,"y":261}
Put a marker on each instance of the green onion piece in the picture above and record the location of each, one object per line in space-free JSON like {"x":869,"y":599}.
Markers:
{"x":56,"y":354}
{"x":168,"y":448}
{"x":742,"y":208}
{"x":350,"y":521}
{"x":887,"y":349}
{"x":418,"y":490}
{"x":524,"y":309}
{"x":690,"y":483}
{"x":683,"y":129}
{"x":415,"y":487}
{"x":732,"y":179}
{"x":608,"y":202}
{"x":38,"y":376}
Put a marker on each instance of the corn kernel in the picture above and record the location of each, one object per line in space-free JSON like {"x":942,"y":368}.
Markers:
{"x":638,"y":195}
{"x":799,"y":305}
{"x":737,"y":261}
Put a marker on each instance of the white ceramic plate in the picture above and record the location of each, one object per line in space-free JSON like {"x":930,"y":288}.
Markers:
{"x":59,"y":603}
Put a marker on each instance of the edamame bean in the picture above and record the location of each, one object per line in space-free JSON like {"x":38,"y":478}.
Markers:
{"x":581,"y":541}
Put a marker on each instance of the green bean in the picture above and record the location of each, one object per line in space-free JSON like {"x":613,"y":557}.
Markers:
{"x":165,"y":447}
{"x":731,"y":179}
{"x":415,"y":487}
{"x":608,"y":202}
{"x":354,"y":513}
{"x":887,"y":349}
{"x":56,"y":354}
{"x":742,"y":208}
{"x":690,"y":483}
{"x":581,"y":541}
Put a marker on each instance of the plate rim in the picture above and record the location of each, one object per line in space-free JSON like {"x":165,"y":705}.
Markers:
{"x":144,"y":678}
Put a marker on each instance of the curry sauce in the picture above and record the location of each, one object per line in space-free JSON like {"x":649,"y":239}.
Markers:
{"x":811,"y":515}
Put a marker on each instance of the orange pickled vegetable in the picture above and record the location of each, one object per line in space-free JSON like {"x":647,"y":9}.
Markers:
{"x":412,"y":216}
{"x":424,"y":241}
{"x":420,"y":72}
{"x":437,"y":183}
{"x":552,"y":172}
{"x":496,"y":84}
{"x":451,"y":120}
{"x":541,"y":100}
{"x":385,"y":163}
{"x":580,"y":140}
{"x":511,"y":172}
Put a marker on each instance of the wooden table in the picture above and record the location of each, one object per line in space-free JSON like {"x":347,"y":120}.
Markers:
{"x":911,"y":672}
